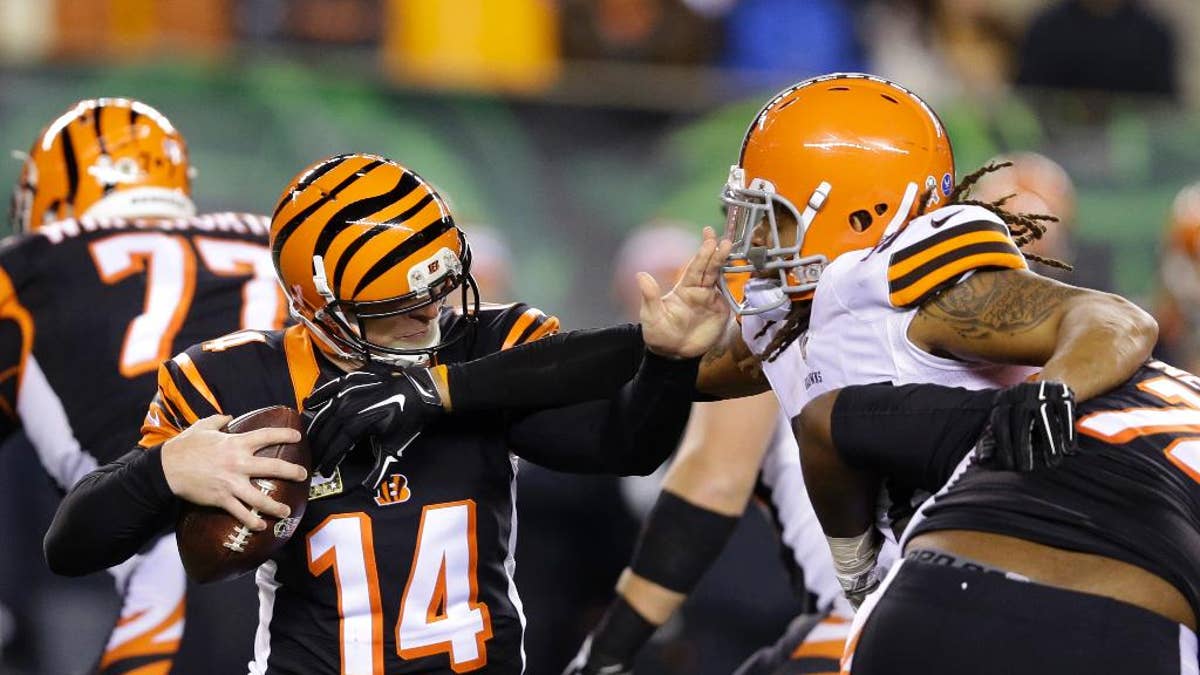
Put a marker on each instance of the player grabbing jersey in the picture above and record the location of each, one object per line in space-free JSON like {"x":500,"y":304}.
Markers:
{"x":403,"y":560}
{"x":111,"y":273}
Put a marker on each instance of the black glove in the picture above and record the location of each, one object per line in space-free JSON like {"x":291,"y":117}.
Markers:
{"x":1032,"y":426}
{"x":613,"y":645}
{"x":392,"y":407}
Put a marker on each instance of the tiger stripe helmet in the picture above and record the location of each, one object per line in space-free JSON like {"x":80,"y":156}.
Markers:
{"x":850,"y":156}
{"x":106,"y":157}
{"x":357,"y":237}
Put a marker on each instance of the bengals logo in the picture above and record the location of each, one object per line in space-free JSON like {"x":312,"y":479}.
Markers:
{"x":393,"y":490}
{"x":433,"y":266}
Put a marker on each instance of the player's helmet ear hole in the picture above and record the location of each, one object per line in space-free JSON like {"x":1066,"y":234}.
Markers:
{"x":880,"y":209}
{"x":860,"y":220}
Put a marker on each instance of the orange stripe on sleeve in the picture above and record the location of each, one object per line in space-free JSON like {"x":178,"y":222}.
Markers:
{"x":523,"y":322}
{"x":171,"y":394}
{"x":188,"y":367}
{"x":915,"y":292}
{"x":12,"y":309}
{"x":911,"y":263}
{"x":549,"y":327}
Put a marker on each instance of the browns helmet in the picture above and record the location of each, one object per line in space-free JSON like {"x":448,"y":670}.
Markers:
{"x":850,"y":156}
{"x":106,"y":157}
{"x":357,"y":237}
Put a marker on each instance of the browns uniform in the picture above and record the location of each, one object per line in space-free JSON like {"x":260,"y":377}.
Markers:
{"x":111,"y":274}
{"x":415,"y":576}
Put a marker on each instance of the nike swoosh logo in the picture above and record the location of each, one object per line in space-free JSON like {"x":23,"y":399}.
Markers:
{"x":397,"y":399}
{"x":422,"y":390}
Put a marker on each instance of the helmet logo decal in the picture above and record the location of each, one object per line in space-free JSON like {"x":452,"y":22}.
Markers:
{"x":124,"y":170}
{"x":947,"y":184}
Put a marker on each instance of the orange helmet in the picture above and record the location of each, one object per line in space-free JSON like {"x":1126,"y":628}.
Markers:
{"x":106,"y":157}
{"x":357,"y":237}
{"x":849,"y":156}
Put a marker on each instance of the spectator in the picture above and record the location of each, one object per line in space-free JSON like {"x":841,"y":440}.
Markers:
{"x":1178,"y":305}
{"x":1100,"y":45}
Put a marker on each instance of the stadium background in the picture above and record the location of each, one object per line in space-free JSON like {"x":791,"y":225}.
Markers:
{"x":561,"y":127}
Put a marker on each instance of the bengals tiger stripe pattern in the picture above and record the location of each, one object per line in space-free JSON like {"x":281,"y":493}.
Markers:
{"x":918,"y":271}
{"x":96,"y":148}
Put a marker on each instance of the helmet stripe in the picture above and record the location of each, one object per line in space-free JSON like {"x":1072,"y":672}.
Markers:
{"x":340,"y":267}
{"x":297,"y":220}
{"x":357,"y":211}
{"x":97,"y":121}
{"x":331,"y":164}
{"x":405,"y":249}
{"x":72,"y":168}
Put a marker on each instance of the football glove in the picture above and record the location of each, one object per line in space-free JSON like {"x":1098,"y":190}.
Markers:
{"x":1032,"y":425}
{"x":391,"y":408}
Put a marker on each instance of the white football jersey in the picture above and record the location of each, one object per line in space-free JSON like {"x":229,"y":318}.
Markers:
{"x":866,"y":300}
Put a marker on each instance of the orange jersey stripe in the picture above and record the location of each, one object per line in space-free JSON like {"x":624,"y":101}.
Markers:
{"x":188,"y":367}
{"x":173,"y":397}
{"x":149,"y":643}
{"x":915,"y":292}
{"x":911,"y":263}
{"x":549,"y":327}
{"x":12,"y":309}
{"x":520,"y":325}
{"x":302,"y":363}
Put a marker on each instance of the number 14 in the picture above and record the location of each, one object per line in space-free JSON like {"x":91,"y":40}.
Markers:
{"x":439,"y":612}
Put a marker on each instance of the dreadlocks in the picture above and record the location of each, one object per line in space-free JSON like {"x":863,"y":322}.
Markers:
{"x":1025,"y":228}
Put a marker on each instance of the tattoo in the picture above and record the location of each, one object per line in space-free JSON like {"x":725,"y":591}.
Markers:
{"x":1002,"y":302}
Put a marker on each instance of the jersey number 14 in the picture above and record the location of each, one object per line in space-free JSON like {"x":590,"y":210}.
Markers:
{"x":439,"y":611}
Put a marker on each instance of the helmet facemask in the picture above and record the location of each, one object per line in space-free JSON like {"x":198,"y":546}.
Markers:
{"x":746,"y":210}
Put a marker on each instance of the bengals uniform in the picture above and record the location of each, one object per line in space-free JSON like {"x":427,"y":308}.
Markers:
{"x":88,"y":309}
{"x":415,"y":576}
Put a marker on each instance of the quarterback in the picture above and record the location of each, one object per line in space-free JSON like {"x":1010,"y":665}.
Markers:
{"x":403,"y":560}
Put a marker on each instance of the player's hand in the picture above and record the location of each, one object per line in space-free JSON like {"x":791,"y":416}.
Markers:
{"x":586,"y":663}
{"x":1032,"y":426}
{"x":207,"y":466}
{"x":392,"y":407}
{"x":690,"y":319}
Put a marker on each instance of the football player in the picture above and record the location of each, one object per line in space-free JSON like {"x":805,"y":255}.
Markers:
{"x":1037,"y":557}
{"x":872,"y":264}
{"x":403,"y":561}
{"x":110,"y":261}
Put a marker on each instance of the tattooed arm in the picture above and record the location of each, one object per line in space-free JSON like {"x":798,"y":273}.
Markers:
{"x":729,"y":369}
{"x":1092,"y":341}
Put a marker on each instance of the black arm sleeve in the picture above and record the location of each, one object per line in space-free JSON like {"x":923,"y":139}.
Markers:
{"x":110,"y":514}
{"x":915,"y":434}
{"x":629,"y":433}
{"x":558,"y":370}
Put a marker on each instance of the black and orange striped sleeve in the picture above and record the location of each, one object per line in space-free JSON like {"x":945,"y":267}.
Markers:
{"x":530,"y":324}
{"x":921,"y":269}
{"x":183,"y":397}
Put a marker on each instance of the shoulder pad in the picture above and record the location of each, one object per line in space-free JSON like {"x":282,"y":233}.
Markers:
{"x":504,"y":326}
{"x":937,"y":249}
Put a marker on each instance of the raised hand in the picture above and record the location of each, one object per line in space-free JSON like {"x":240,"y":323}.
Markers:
{"x":686,"y":322}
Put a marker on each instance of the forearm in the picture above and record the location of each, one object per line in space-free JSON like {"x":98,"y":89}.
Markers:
{"x":110,"y":515}
{"x":631,"y":432}
{"x":555,"y":371}
{"x":1101,"y":342}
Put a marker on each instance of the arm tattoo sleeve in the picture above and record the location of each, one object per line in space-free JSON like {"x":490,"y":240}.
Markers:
{"x":991,"y":304}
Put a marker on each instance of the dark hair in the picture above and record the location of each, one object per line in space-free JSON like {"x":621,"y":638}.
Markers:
{"x":1026,"y":228}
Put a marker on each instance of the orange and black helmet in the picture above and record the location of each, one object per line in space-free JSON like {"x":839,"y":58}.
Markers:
{"x":850,"y":156}
{"x":106,"y":157}
{"x":357,"y":237}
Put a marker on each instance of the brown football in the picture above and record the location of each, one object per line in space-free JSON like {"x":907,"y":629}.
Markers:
{"x":213,"y":544}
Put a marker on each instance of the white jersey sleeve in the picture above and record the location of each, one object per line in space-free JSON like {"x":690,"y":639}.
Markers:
{"x":866,"y":300}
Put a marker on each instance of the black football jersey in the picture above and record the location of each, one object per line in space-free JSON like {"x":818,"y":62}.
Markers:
{"x":90,"y":307}
{"x":415,"y":576}
{"x":1132,"y":493}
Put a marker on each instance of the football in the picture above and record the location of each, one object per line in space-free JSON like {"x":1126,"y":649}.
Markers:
{"x":213,"y":544}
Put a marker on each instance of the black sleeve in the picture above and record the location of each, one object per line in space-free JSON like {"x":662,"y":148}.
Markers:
{"x":554,"y":371}
{"x":629,"y":433}
{"x":915,"y":434}
{"x":111,"y":514}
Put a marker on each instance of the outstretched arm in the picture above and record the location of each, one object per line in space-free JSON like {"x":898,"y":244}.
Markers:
{"x":1089,"y":340}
